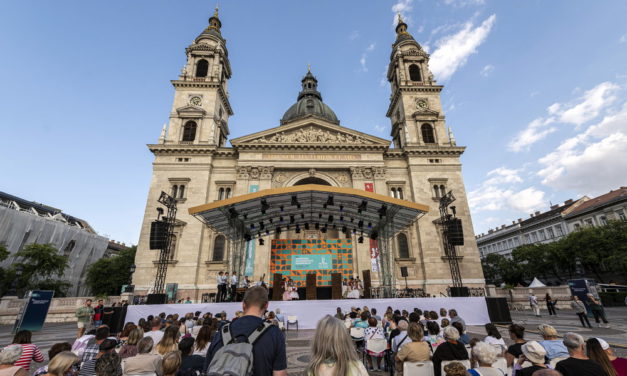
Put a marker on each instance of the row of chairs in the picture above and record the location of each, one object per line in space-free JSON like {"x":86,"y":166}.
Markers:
{"x":426,"y":368}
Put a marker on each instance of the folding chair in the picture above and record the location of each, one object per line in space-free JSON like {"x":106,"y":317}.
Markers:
{"x":418,"y":368}
{"x":501,"y":364}
{"x":292,"y":320}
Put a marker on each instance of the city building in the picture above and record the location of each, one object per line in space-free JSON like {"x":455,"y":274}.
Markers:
{"x":598,"y":211}
{"x":24,"y":222}
{"x":194,"y":163}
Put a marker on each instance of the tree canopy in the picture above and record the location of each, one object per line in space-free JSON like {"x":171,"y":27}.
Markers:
{"x":107,"y":275}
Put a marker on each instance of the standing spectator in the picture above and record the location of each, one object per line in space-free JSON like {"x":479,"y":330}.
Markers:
{"x":597,"y":310}
{"x":98,"y":313}
{"x":169,"y":342}
{"x":130,"y":347}
{"x":516,"y":334}
{"x":203,"y":340}
{"x":580,"y":309}
{"x":578,"y":364}
{"x":83,"y":316}
{"x":494,"y":338}
{"x":485,"y":355}
{"x":108,"y":365}
{"x":8,"y":357}
{"x":595,"y":351}
{"x":171,"y":363}
{"x":88,"y":368}
{"x":93,"y":346}
{"x":269,"y":350}
{"x":333,"y":352}
{"x":30,"y":352}
{"x":374,"y":332}
{"x":554,"y":347}
{"x":452,"y":349}
{"x":550,"y":304}
{"x":416,"y":351}
{"x":63,"y":364}
{"x":533,"y":352}
{"x":454,"y":318}
{"x":619,"y":364}
{"x":144,"y":361}
{"x":155,"y":332}
{"x":533,"y":302}
{"x":57,"y":348}
{"x":189,"y":361}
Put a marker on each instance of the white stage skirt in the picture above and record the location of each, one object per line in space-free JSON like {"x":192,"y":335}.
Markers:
{"x":473,"y":310}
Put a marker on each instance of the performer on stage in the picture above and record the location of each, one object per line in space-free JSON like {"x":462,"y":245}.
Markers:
{"x":233,"y":287}
{"x":287,"y":290}
{"x":247,"y":283}
{"x":360,"y":286}
{"x":221,"y":282}
{"x":294,"y":290}
{"x":344,"y":288}
{"x":353,"y":289}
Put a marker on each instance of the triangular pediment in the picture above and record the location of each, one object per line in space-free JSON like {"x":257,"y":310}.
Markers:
{"x":310,"y":133}
{"x":190,"y":110}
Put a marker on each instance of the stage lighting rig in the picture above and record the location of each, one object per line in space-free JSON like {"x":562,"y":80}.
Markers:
{"x":264,"y":206}
{"x":330,"y":201}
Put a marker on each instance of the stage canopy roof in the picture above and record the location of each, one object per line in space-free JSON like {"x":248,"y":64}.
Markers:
{"x":304,"y":207}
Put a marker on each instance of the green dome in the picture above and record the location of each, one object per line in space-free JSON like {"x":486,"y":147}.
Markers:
{"x":309,"y":103}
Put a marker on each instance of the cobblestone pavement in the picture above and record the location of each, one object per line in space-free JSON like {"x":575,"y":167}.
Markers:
{"x":298,"y":342}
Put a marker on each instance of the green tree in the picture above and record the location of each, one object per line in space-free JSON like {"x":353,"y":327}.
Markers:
{"x":40,"y":265}
{"x":501,"y":269}
{"x":106,"y":276}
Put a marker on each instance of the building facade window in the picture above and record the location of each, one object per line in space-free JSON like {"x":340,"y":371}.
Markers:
{"x":541,"y":235}
{"x":427,"y":134}
{"x":218,"y":248}
{"x":403,"y":246}
{"x":589,"y":222}
{"x":189,"y":131}
{"x":397,"y":192}
{"x":577,"y":226}
{"x":559,"y":231}
{"x":414,"y":73}
{"x":68,"y":248}
{"x":549,"y":233}
{"x":603,"y":220}
{"x":621,"y":215}
{"x":225,"y":189}
{"x":202,"y":68}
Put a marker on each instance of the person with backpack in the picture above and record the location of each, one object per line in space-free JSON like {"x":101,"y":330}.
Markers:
{"x":248,"y":345}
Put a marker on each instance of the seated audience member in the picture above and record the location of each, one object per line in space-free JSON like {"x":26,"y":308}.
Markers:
{"x":374,"y":332}
{"x":130,"y":347}
{"x":338,"y":314}
{"x":190,"y":363}
{"x":203,"y":340}
{"x":79,"y":345}
{"x":494,"y":338}
{"x":415,"y":351}
{"x":619,"y":364}
{"x":433,"y":337}
{"x":8,"y":357}
{"x":30,"y":352}
{"x":533,"y":352}
{"x":444,"y":323}
{"x":271,"y":318}
{"x":554,"y":347}
{"x":197,"y":326}
{"x":373,"y":313}
{"x":463,"y":336}
{"x":485,"y":355}
{"x":454,"y":318}
{"x":64,"y":363}
{"x":444,"y":314}
{"x":414,"y":317}
{"x":88,"y":368}
{"x":54,"y":350}
{"x":128,"y":328}
{"x":547,"y":372}
{"x":171,"y":363}
{"x":169,"y":342}
{"x":578,"y":364}
{"x":108,"y":365}
{"x":455,"y":369}
{"x":452,"y":349}
{"x":516,"y":334}
{"x":144,"y":361}
{"x":361,"y":322}
{"x":269,"y":357}
{"x":333,"y":352}
{"x":595,"y":351}
{"x":155,"y":331}
{"x":279,"y":316}
{"x":402,"y":337}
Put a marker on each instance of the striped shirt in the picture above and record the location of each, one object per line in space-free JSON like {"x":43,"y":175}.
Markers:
{"x":30,"y":352}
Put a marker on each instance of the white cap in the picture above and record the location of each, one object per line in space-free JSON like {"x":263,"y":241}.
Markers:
{"x":603,"y":343}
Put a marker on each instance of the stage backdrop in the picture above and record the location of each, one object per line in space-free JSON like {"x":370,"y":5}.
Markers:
{"x":473,"y":310}
{"x":295,"y":258}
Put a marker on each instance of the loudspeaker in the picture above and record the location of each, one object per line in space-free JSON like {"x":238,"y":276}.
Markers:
{"x":311,"y":287}
{"x":277,"y":287}
{"x":156,"y":299}
{"x":367,"y":284}
{"x":158,"y":234}
{"x":404,"y":271}
{"x":455,"y":231}
{"x":498,"y":310}
{"x":336,"y":286}
{"x":115,"y":319}
{"x":459,"y":291}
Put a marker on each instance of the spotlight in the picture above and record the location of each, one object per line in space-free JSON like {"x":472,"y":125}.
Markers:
{"x":245,"y":216}
{"x":306,"y":226}
{"x":261,"y":242}
{"x":344,"y":229}
{"x":247,"y":237}
{"x":281,"y":219}
{"x":341,"y":207}
{"x":278,"y":230}
{"x":292,"y":219}
{"x":297,"y":229}
{"x":317,"y":226}
{"x":270,"y":220}
{"x":267,"y":232}
{"x":287,"y":227}
{"x":261,"y":226}
{"x":352,"y":219}
{"x":363,"y":206}
{"x":330,"y":201}
{"x":160,"y":212}
{"x":319,"y":215}
{"x":302,"y":215}
{"x":369,"y":225}
{"x":341,"y":218}
{"x":334,"y":226}
{"x":233,"y":213}
{"x":454,"y":210}
{"x":323,"y":230}
{"x":330,"y":219}
{"x":383,"y":211}
{"x":294,"y":200}
{"x":281,"y":207}
{"x":264,"y":206}
{"x":360,"y":224}
{"x":324,"y":206}
{"x":252,"y":226}
{"x":354,"y":231}
{"x":360,"y":239}
{"x":374,"y":235}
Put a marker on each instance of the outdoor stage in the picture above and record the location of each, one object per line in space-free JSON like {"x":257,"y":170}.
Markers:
{"x":474,"y":310}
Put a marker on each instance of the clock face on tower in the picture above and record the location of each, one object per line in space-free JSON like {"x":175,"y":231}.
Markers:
{"x":421,"y":103}
{"x":195,"y":101}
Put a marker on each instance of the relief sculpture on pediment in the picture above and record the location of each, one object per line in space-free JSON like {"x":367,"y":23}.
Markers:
{"x":312,"y":135}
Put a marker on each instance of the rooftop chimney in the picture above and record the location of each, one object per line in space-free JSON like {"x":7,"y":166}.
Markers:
{"x":569,"y":201}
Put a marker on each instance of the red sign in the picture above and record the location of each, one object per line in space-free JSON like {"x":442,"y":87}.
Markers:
{"x":369,"y":187}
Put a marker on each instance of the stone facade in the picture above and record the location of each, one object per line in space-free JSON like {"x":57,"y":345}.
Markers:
{"x":193,"y":162}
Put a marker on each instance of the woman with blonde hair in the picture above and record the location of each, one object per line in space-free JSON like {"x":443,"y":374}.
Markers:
{"x":169,"y":342}
{"x":130,"y":347}
{"x":62,"y":364}
{"x":171,"y":363}
{"x":333,"y":352}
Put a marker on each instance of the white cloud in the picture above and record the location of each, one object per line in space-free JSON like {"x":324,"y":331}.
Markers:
{"x":403,"y":7}
{"x":364,"y":55}
{"x":463,"y":3}
{"x":384,"y":77}
{"x":370,"y":47}
{"x":452,"y":51}
{"x":485,"y":71}
{"x":586,"y":108}
{"x":527,"y":200}
{"x":623,"y":39}
{"x":503,"y":175}
{"x":380,"y":128}
{"x":353,"y":35}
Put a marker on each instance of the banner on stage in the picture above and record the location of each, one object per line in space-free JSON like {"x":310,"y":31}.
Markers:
{"x":311,"y":262}
{"x":374,"y":247}
{"x":249,"y":269}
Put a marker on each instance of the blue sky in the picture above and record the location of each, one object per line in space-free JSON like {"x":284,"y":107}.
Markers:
{"x":534,"y":89}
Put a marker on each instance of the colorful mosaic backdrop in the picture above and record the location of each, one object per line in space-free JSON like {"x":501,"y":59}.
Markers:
{"x":286,"y":251}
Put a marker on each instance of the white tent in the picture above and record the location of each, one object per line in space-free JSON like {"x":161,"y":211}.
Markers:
{"x":536,"y":283}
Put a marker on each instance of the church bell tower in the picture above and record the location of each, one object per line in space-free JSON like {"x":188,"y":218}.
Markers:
{"x":201,"y":107}
{"x":415,"y":108}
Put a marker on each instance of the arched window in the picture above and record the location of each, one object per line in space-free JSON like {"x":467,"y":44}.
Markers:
{"x":228,"y":193}
{"x":442,"y":191}
{"x":414,"y":73}
{"x":175,"y":190}
{"x":181,"y":191}
{"x":403,"y":247}
{"x":220,"y":193}
{"x":427,"y":134}
{"x":436,"y":190}
{"x":394,"y":192}
{"x":189,"y":131}
{"x":202,"y":67}
{"x":399,"y":193}
{"x":218,"y":248}
{"x":172,"y":246}
{"x":68,"y":248}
